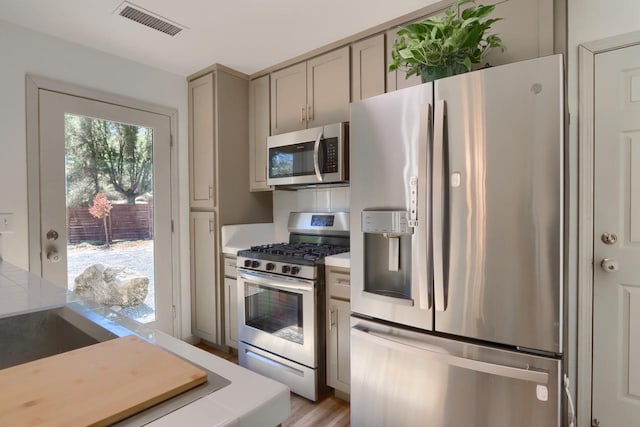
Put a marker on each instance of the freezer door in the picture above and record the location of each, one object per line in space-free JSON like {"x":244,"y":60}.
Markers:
{"x":404,"y":378}
{"x":498,"y":181}
{"x":390,"y":206}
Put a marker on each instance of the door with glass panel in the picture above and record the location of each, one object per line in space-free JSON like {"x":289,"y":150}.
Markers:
{"x":105,"y":205}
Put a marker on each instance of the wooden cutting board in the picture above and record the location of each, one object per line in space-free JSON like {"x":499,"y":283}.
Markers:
{"x":93,"y":386}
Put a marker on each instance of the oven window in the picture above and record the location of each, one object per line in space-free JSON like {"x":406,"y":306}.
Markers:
{"x":274,"y":311}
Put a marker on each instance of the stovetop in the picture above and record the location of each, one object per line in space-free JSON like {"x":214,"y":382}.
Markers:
{"x":295,"y":253}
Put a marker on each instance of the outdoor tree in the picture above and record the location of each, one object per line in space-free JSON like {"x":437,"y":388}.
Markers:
{"x":107,"y":157}
{"x":126,"y":159}
{"x":101,"y":209}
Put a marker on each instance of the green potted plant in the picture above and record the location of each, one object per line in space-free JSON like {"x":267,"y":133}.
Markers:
{"x":438,"y":46}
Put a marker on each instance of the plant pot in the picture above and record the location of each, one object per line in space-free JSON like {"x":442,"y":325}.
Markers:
{"x":430,"y":73}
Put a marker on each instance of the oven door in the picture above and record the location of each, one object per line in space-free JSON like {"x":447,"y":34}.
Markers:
{"x":278,"y":315}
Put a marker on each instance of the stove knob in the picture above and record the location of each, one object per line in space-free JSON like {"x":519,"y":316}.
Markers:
{"x":255,"y":264}
{"x":247,"y":263}
{"x":286,"y":268}
{"x":295,"y":270}
{"x":270,"y":266}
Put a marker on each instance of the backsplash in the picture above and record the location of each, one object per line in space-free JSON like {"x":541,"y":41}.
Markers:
{"x":312,"y":199}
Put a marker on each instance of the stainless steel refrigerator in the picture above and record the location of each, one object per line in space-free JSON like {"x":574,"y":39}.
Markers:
{"x":456,"y":251}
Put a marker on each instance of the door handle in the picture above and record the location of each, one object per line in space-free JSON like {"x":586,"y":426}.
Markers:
{"x":53,"y":255}
{"x":400,"y":343}
{"x":610,"y":265}
{"x":316,"y":158}
{"x":439,"y":213}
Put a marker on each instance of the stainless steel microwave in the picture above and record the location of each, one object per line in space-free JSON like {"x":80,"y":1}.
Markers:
{"x":311,"y":156}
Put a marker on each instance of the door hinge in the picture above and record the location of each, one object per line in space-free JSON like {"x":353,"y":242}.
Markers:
{"x":170,"y":141}
{"x":172,"y":226}
{"x":595,"y":423}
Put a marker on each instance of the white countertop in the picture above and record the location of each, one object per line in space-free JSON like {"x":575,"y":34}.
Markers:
{"x":341,"y":260}
{"x":250,"y":399}
{"x":235,"y":238}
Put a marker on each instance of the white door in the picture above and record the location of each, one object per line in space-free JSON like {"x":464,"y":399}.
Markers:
{"x":616,"y":299}
{"x":89,"y":148}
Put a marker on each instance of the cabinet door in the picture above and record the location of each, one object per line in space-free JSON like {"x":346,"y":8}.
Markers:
{"x":397,"y":79}
{"x":338,"y":345}
{"x":367,"y":68}
{"x":231,"y":312}
{"x":201,"y":150}
{"x":203,"y":275}
{"x":258,"y":133}
{"x":328,"y":91}
{"x":289,"y":99}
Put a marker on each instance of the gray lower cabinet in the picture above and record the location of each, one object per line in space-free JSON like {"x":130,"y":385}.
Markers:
{"x":338,"y":329}
{"x":230,"y":302}
{"x":203,"y":275}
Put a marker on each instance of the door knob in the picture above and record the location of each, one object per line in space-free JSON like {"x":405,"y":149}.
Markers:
{"x":610,"y":265}
{"x":53,"y":255}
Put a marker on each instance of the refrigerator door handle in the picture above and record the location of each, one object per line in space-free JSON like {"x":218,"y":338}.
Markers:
{"x":316,"y":157}
{"x":438,"y":206}
{"x":403,"y":344}
{"x":418,"y":212}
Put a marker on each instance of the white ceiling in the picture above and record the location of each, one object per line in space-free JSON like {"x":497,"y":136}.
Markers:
{"x":247,"y":35}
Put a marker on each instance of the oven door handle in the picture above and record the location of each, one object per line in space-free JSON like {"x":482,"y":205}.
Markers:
{"x":276,"y":282}
{"x":316,"y":157}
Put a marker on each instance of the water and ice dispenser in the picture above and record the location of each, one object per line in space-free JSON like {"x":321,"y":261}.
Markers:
{"x":387,"y":253}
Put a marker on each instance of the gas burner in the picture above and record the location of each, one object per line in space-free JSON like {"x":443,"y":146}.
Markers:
{"x":302,"y":253}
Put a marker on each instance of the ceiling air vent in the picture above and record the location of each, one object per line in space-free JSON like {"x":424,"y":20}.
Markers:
{"x":150,"y":19}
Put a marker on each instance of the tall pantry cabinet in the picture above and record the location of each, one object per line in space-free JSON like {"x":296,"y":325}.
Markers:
{"x":218,"y":187}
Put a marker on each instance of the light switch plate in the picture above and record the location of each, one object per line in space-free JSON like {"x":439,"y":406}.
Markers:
{"x":6,"y":223}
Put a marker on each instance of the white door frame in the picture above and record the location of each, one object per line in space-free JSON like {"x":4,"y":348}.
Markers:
{"x":586,"y":144}
{"x":33,"y":85}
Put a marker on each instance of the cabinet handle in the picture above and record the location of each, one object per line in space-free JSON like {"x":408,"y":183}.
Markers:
{"x":331,"y":322}
{"x":302,"y":114}
{"x":210,"y":226}
{"x":342,"y":282}
{"x":210,"y":191}
{"x":309,"y":116}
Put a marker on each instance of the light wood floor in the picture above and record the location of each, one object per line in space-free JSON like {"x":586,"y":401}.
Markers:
{"x":329,"y":411}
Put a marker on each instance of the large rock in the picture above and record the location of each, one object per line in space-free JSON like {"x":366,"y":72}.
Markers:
{"x":119,"y":286}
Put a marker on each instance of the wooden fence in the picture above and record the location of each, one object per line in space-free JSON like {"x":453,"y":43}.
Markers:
{"x":125,"y":222}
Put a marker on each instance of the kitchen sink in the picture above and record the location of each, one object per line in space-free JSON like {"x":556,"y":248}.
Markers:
{"x":35,"y":335}
{"x":32,"y":336}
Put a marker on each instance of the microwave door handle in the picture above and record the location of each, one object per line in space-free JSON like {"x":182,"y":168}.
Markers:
{"x":316,"y":157}
{"x":438,"y":212}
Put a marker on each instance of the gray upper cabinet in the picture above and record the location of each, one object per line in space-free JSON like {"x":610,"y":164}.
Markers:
{"x":201,"y":149}
{"x":258,"y":133}
{"x":289,"y":99}
{"x":312,"y":93}
{"x":368,"y":68}
{"x":397,"y":79}
{"x":328,"y":88}
{"x":526,"y":29}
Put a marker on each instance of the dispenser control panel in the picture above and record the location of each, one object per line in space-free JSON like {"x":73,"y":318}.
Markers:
{"x":391,"y":222}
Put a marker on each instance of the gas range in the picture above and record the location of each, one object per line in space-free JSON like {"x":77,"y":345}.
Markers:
{"x":313,"y":236}
{"x":281,"y":292}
